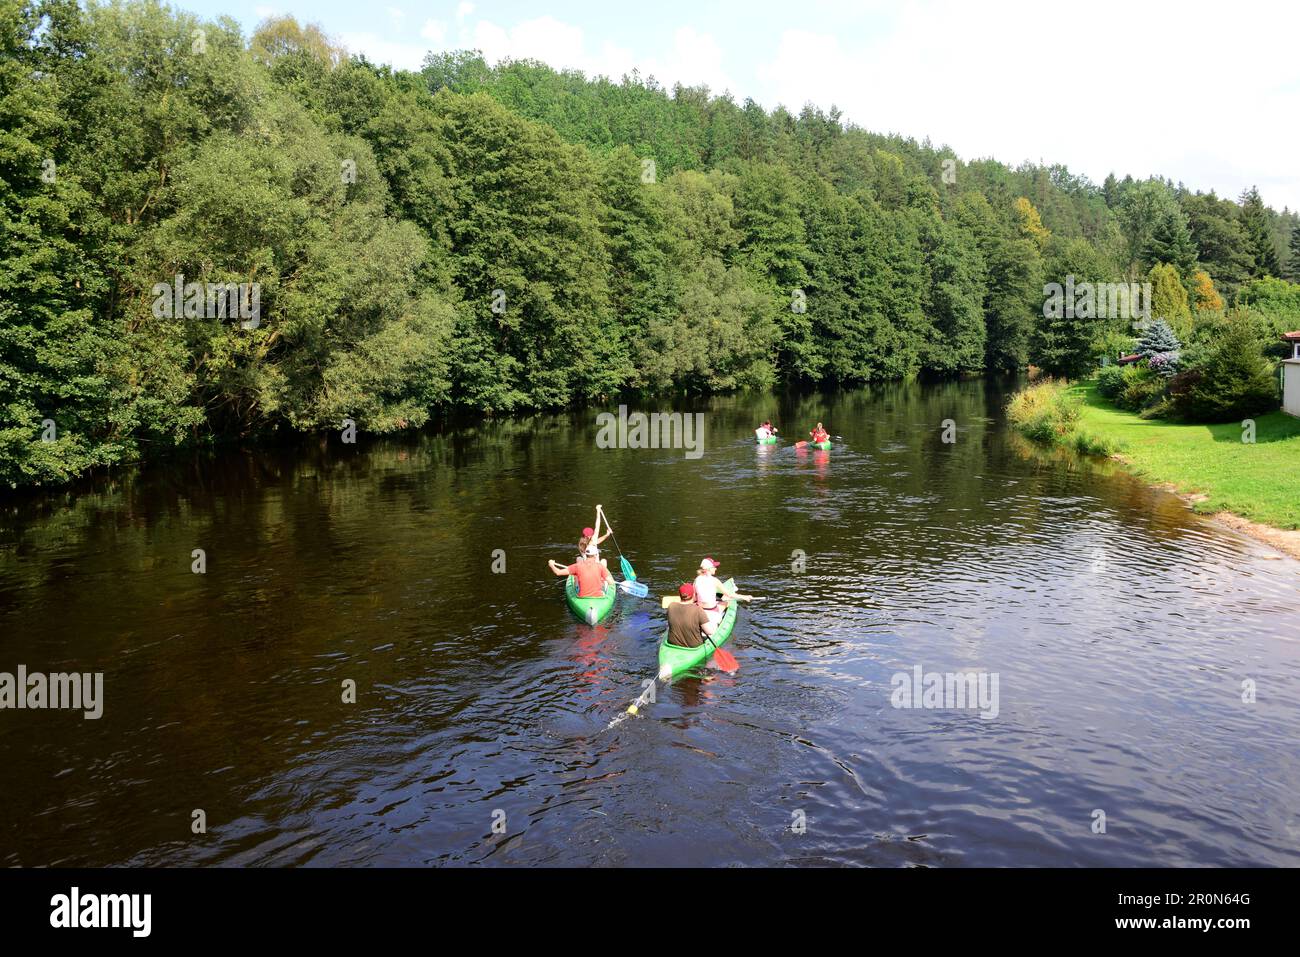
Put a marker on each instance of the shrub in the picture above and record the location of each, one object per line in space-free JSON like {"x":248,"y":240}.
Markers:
{"x":1141,"y":387}
{"x":1110,"y":380}
{"x":1235,"y":380}
{"x":1089,"y":444}
{"x":1162,"y":409}
{"x":1184,"y":381}
{"x":1164,"y":363}
{"x":1045,"y":411}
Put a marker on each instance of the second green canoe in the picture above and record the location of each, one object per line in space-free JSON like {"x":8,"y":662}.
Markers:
{"x":820,"y":445}
{"x":590,"y":610}
{"x":679,"y":660}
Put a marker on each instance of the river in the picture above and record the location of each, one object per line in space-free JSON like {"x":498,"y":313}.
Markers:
{"x":1124,"y":633}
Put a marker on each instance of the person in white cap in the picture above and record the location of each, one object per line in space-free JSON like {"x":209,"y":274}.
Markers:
{"x":707,"y":588}
{"x":591,"y":574}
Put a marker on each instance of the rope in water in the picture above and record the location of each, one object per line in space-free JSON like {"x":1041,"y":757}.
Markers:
{"x":634,"y":707}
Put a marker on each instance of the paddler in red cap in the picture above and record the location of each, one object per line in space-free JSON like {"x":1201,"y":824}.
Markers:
{"x":687,"y":621}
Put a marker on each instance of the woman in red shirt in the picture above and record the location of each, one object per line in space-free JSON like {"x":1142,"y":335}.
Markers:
{"x":591,"y":574}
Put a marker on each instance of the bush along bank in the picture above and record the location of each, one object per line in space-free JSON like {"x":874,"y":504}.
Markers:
{"x":1049,"y":411}
{"x":1241,"y":471}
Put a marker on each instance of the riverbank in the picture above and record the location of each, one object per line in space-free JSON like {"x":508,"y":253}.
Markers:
{"x":1249,"y":486}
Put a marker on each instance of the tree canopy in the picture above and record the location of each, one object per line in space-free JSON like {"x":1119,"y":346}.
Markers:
{"x":503,"y":238}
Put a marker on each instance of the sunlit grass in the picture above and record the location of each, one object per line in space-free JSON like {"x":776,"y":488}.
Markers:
{"x":1259,"y":481}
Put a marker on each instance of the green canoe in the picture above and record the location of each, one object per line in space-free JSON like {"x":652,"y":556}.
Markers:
{"x":770,"y":440}
{"x":590,"y":610}
{"x":820,"y":445}
{"x":680,"y":659}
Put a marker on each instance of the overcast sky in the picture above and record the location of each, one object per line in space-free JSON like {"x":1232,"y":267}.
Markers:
{"x":1203,"y":93}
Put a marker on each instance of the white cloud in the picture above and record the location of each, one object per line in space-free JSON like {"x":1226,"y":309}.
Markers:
{"x":1119,"y":87}
{"x":435,"y":31}
{"x":695,"y":58}
{"x":397,"y":14}
{"x":265,"y":13}
{"x":464,"y":10}
{"x":404,"y":56}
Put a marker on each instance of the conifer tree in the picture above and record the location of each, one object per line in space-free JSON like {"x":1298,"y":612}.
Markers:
{"x":1254,"y":217}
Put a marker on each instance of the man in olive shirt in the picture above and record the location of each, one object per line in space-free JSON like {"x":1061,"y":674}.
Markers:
{"x":687,"y":622}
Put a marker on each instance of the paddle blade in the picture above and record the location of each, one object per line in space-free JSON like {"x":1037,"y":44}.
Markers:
{"x":800,"y":445}
{"x":667,"y":600}
{"x":628,"y":573}
{"x":725,"y":661}
{"x":639,"y":589}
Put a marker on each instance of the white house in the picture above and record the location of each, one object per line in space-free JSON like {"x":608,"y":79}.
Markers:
{"x":1291,"y":376}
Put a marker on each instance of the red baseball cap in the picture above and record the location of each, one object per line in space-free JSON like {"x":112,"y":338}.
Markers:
{"x":686,"y":591}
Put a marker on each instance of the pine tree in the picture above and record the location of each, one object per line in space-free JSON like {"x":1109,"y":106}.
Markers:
{"x":1254,"y":216}
{"x":1160,"y":347}
{"x":1157,"y":338}
{"x":1235,"y":380}
{"x":1293,"y":264}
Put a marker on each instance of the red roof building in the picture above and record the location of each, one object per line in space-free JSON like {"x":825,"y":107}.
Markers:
{"x":1294,"y":339}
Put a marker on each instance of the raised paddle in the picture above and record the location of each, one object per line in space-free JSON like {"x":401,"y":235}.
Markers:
{"x":628,"y":572}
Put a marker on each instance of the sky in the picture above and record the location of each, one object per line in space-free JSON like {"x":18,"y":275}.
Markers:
{"x":1203,"y":93}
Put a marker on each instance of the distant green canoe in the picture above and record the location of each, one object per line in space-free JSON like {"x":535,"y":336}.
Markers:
{"x":820,"y":445}
{"x":590,"y":610}
{"x":681,"y":660}
{"x":770,"y":440}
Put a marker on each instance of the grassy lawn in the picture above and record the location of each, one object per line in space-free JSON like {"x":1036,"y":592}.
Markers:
{"x":1260,"y":482}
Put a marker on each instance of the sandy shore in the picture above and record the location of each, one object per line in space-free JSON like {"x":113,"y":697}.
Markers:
{"x":1286,"y":540}
{"x":1283,"y":539}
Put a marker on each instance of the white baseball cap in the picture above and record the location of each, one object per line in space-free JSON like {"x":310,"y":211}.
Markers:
{"x":709,"y":563}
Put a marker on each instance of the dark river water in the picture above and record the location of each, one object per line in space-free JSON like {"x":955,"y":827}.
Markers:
{"x":1119,"y":626}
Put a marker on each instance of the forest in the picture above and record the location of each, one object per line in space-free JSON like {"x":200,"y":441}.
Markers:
{"x":507,"y":238}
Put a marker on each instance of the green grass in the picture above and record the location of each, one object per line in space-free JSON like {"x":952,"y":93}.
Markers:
{"x":1260,"y":482}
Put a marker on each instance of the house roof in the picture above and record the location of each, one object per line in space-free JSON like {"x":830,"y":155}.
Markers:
{"x":1291,"y":336}
{"x":1125,"y":360}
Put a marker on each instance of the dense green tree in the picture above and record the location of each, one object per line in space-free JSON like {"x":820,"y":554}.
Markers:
{"x":1169,"y":302}
{"x":508,"y":237}
{"x":1156,"y":227}
{"x":953,"y":298}
{"x":1234,"y":381}
{"x":1293,"y":262}
{"x":1067,"y":337}
{"x":1013,"y":294}
{"x":1220,"y":240}
{"x":1259,"y":239}
{"x":528,"y":255}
